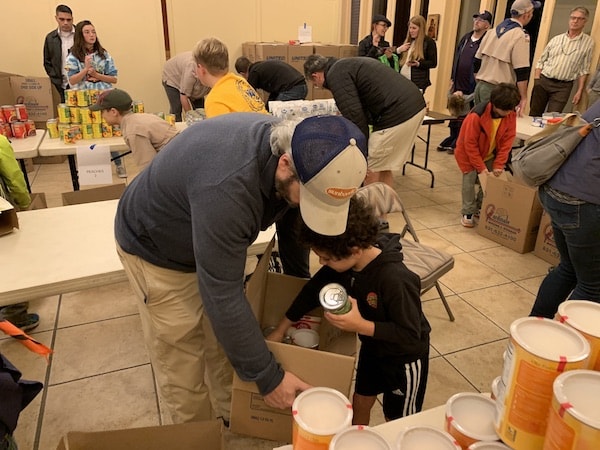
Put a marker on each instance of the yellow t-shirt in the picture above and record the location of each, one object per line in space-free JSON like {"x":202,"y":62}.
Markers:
{"x":495,"y":125}
{"x":232,"y":94}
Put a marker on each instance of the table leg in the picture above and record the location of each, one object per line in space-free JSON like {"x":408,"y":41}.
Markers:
{"x":73,"y":169}
{"x":412,"y":157}
{"x":24,"y":170}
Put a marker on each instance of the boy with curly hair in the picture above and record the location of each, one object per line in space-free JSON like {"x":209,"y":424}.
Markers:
{"x":386,"y":312}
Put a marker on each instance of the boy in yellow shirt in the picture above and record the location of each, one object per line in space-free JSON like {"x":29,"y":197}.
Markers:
{"x":229,"y":92}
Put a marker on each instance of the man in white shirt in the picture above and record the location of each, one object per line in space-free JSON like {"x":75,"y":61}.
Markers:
{"x":566,"y":59}
{"x":56,"y":48}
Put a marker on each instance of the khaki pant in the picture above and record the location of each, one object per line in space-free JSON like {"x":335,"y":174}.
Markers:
{"x":190,"y":367}
{"x":390,"y":148}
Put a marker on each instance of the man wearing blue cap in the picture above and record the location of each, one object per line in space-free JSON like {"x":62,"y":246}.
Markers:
{"x":504,"y":54}
{"x":183,"y":227}
{"x":463,"y":77}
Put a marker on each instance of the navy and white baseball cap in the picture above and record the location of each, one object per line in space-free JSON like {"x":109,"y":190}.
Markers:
{"x":329,"y":153}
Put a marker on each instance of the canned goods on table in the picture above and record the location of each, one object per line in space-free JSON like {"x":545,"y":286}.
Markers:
{"x":71,"y":97}
{"x":138,"y":106}
{"x":106,"y":130}
{"x":21,"y":110}
{"x":18,"y":130}
{"x":84,"y":112}
{"x":334,"y":299}
{"x":116,"y":131}
{"x":75,"y":114}
{"x":87,"y":131}
{"x":10,"y":113}
{"x":170,"y":118}
{"x":82,"y":97}
{"x":96,"y":116}
{"x":6,"y":130}
{"x":52,"y":127}
{"x":93,"y":95}
{"x":96,"y":130}
{"x":64,"y":114}
{"x":30,"y":127}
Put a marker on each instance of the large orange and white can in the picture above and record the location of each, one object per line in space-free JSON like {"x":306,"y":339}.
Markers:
{"x":21,"y":111}
{"x":584,"y":316}
{"x":10,"y":113}
{"x":359,"y":437}
{"x":19,"y":131}
{"x":574,"y":422}
{"x":319,"y":413}
{"x":538,"y":351}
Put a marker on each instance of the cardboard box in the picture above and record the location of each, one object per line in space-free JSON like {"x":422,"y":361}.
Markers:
{"x":327,"y":50}
{"x":297,"y":55}
{"x":269,"y":295}
{"x":271,"y":50}
{"x":57,"y":159}
{"x":510,"y":214}
{"x":348,"y":50}
{"x":110,"y":192}
{"x":186,"y":436}
{"x":37,"y":93}
{"x":8,"y":217}
{"x":545,"y":247}
{"x":249,"y":51}
{"x":321,"y":93}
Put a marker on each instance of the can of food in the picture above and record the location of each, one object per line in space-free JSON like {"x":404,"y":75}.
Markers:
{"x":83,"y":97}
{"x":18,"y":130}
{"x":138,"y":106}
{"x":106,"y":130}
{"x":116,"y":131}
{"x":70,"y":135}
{"x":10,"y":113}
{"x":87,"y":131}
{"x":334,"y":299}
{"x":170,"y":118}
{"x":84,"y":112}
{"x":62,"y":129}
{"x":30,"y":127}
{"x":6,"y":130}
{"x":21,"y":110}
{"x":96,"y":130}
{"x":52,"y":127}
{"x":64,"y":114}
{"x":71,"y":97}
{"x":76,"y":127}
{"x":96,"y":116}
{"x":75,"y":114}
{"x":93,"y":95}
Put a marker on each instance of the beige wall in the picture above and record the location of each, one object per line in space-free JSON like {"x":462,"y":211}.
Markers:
{"x":131,"y":30}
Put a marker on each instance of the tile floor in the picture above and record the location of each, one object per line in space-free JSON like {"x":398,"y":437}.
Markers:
{"x":100,"y":378}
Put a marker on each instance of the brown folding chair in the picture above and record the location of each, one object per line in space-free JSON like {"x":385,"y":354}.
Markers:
{"x":427,"y":262}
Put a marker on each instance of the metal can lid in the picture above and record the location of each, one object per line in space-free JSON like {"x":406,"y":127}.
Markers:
{"x":332,"y":296}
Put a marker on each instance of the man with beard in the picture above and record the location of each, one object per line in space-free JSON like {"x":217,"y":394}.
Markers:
{"x":484,"y":145}
{"x":183,"y":227}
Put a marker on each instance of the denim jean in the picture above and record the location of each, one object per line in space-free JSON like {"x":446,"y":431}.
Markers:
{"x":298,"y":92}
{"x":577,"y":236}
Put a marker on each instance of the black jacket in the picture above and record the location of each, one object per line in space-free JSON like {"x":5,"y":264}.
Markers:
{"x":369,"y":93}
{"x":420,"y":75}
{"x":53,"y":57}
{"x":274,"y":77}
{"x":387,"y":293}
{"x":366,"y":47}
{"x":459,"y":49}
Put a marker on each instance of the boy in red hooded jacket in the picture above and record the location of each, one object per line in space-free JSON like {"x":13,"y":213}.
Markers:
{"x":484,"y":144}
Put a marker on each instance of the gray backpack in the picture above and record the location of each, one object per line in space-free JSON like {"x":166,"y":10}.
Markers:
{"x":546,"y":151}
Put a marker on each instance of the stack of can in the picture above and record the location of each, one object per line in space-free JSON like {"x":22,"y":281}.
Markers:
{"x":15,"y":122}
{"x":75,"y":120}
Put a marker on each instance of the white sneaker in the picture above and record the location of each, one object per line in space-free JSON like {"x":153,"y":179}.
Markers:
{"x":121,"y":171}
{"x":467,"y":220}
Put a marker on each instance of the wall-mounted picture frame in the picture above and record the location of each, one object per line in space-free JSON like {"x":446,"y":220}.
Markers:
{"x":433,"y":25}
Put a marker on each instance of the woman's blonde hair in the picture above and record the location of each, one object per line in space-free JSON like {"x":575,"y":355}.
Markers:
{"x":417,"y":51}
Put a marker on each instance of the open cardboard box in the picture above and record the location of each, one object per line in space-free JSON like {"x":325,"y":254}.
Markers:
{"x":99,"y":194}
{"x":37,"y":93}
{"x":185,"y":436}
{"x":8,"y":217}
{"x":510,"y":213}
{"x":332,"y":365}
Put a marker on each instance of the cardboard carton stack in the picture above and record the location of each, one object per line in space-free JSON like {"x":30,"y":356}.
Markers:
{"x":36,"y":93}
{"x":296,"y":55}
